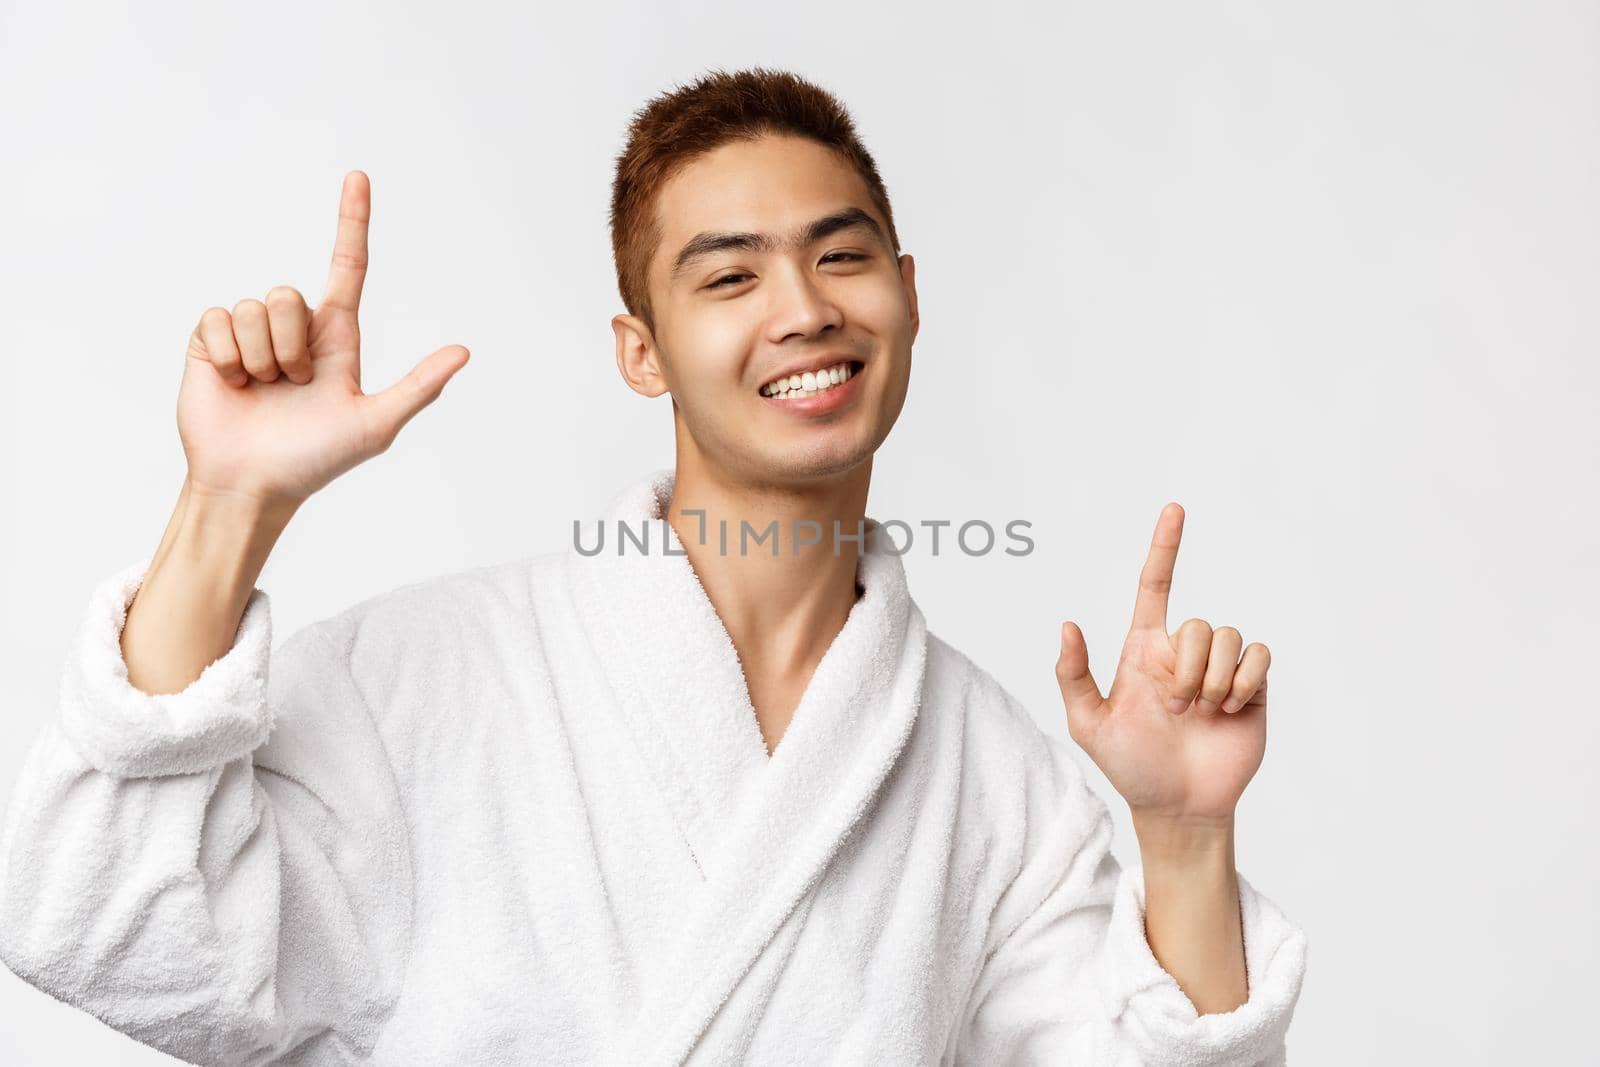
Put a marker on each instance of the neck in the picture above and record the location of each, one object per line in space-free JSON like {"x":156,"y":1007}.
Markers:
{"x":781,"y":611}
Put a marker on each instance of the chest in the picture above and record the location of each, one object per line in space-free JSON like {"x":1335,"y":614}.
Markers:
{"x":775,"y":703}
{"x":544,"y":930}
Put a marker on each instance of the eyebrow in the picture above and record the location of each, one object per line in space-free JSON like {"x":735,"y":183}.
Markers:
{"x":711,"y":242}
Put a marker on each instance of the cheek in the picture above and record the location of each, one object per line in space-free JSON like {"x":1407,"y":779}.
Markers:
{"x":705,"y":355}
{"x":883,"y":309}
{"x":726,"y":336}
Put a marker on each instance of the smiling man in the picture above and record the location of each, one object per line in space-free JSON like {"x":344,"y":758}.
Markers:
{"x":773,"y":264}
{"x":681,"y":804}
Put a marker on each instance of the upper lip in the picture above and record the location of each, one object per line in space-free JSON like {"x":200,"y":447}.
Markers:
{"x":811,"y":366}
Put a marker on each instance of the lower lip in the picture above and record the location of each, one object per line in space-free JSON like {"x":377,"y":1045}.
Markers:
{"x":823,"y":402}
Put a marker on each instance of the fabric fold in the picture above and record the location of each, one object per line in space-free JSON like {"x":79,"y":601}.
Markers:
{"x":1136,"y":988}
{"x":222,"y":900}
{"x":762,"y":829}
{"x":118,"y":729}
{"x":1073,"y":978}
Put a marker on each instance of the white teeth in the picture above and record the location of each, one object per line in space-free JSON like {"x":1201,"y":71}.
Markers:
{"x":808,"y":384}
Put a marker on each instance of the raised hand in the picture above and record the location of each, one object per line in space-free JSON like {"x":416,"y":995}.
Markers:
{"x":270,"y":408}
{"x":1185,"y":726}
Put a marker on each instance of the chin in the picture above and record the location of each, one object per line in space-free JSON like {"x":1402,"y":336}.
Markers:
{"x":821,"y":462}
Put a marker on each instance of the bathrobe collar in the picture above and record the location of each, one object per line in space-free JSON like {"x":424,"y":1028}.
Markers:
{"x":761,"y":829}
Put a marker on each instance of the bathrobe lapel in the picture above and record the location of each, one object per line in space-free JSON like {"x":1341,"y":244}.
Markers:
{"x":761,"y":830}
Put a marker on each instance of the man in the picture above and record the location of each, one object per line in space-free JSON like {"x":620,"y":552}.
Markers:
{"x":677,"y":804}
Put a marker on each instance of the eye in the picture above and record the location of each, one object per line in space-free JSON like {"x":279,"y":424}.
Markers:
{"x":728,"y":279}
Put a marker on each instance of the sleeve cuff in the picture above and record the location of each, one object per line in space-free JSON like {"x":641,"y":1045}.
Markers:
{"x":1150,"y":1003}
{"x":222,"y":715}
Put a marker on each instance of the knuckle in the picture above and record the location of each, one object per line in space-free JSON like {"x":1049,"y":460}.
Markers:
{"x":254,"y":353}
{"x":260,"y":364}
{"x":1229,"y":632}
{"x":249,"y":306}
{"x":215,"y":316}
{"x":286,"y":295}
{"x":1158,"y":583}
{"x":297,"y":371}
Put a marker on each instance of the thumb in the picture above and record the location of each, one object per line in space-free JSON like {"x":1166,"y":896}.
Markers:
{"x":1078,"y":689}
{"x":395,"y":406}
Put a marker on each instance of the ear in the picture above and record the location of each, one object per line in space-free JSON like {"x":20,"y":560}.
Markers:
{"x":637,"y":358}
{"x":908,"y":278}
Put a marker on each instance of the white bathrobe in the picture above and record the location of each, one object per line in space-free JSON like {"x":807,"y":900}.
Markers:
{"x":524,"y":814}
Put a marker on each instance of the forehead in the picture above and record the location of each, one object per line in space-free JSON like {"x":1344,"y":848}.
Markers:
{"x":772,"y":184}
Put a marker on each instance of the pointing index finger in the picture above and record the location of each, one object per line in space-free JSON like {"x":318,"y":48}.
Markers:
{"x":1155,"y":580}
{"x":349,"y":268}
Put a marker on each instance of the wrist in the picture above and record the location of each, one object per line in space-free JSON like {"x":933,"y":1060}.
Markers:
{"x":234,"y":511}
{"x":221,"y":540}
{"x":1185,"y":842}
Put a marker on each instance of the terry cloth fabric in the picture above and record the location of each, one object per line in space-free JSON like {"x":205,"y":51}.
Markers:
{"x":525,"y":814}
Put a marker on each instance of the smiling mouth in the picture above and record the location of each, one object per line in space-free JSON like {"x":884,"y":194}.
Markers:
{"x":796,"y":386}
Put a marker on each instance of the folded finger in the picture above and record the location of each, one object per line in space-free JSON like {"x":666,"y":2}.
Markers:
{"x":1192,"y":646}
{"x":287,"y":319}
{"x":1250,"y":680}
{"x":254,"y":336}
{"x":216,"y":335}
{"x":1220,"y":666}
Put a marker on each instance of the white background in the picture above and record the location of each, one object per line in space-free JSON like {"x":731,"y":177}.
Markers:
{"x":1324,"y":274}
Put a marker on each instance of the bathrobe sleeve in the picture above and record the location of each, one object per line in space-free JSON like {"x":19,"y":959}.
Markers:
{"x":166,"y":868}
{"x":1074,"y":980}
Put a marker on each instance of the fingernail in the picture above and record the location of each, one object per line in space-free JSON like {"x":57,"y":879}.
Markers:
{"x":1230,"y":705}
{"x":1176,"y":705}
{"x":1204,"y":706}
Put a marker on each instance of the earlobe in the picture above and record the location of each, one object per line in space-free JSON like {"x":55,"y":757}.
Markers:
{"x":636,"y":356}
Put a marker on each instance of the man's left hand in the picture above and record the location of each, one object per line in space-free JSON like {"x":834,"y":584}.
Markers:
{"x":1185,"y":727}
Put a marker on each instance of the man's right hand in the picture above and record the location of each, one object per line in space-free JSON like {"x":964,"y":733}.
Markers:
{"x":271,"y":409}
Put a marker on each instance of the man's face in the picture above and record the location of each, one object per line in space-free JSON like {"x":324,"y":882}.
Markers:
{"x":773,"y":258}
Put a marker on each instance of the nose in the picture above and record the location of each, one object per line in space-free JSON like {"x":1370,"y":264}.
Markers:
{"x":800,"y":306}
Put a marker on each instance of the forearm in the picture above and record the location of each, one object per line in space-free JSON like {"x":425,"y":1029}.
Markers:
{"x":187,"y":611}
{"x":1192,"y":918}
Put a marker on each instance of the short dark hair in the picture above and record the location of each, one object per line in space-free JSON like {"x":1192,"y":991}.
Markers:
{"x":673,"y":129}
